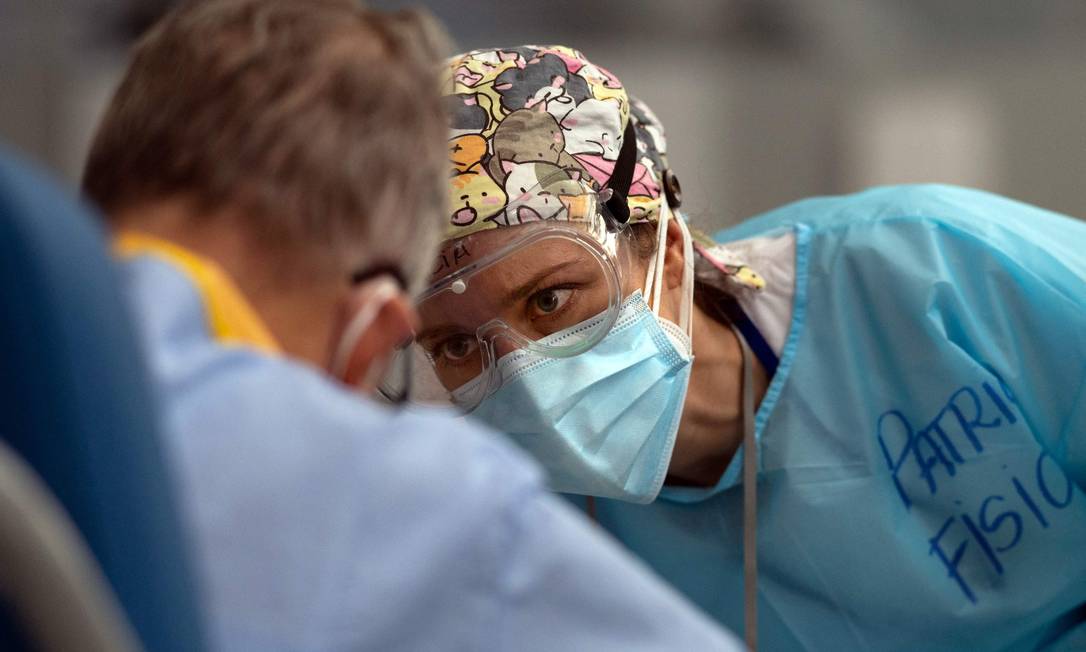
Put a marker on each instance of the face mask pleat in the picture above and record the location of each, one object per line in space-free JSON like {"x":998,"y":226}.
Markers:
{"x":602,"y":422}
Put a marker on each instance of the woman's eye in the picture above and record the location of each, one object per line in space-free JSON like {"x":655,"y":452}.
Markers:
{"x":549,"y":300}
{"x":457,"y":348}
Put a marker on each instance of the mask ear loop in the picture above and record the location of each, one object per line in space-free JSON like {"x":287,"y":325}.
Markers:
{"x":647,"y":292}
{"x":361,"y":321}
{"x":686,"y":309}
{"x":654,"y":277}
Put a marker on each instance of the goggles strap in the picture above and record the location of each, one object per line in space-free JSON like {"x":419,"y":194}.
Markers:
{"x":622,"y":176}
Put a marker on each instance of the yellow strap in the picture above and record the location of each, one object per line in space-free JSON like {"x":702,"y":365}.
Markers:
{"x":230,"y":318}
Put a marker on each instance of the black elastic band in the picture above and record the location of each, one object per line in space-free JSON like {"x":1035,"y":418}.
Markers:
{"x":622,"y":176}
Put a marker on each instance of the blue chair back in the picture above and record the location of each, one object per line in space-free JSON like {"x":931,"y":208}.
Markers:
{"x":78,"y":407}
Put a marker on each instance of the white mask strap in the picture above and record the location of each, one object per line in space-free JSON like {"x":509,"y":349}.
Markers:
{"x":654,"y":277}
{"x":385,"y":290}
{"x":686,"y":309}
{"x":650,"y":275}
{"x":647,"y":292}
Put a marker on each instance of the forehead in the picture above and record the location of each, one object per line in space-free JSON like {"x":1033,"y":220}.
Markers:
{"x":458,"y":254}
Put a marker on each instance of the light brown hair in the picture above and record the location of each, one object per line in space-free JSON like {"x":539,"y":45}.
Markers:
{"x":317,"y":121}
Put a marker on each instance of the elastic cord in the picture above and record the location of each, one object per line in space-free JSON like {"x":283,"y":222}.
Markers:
{"x":750,"y":511}
{"x":649,"y":277}
{"x":655,"y":277}
{"x":750,"y":501}
{"x":687,"y":306}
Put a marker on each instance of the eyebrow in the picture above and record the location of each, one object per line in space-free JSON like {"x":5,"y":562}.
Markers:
{"x":526,"y":288}
{"x":513,"y":295}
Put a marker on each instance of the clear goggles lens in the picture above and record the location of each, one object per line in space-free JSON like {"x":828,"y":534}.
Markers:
{"x":551,"y":287}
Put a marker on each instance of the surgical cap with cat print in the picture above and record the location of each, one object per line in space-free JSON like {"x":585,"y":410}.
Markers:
{"x":527,"y":120}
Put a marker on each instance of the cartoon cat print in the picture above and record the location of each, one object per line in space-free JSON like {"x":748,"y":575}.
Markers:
{"x":465,"y":114}
{"x":482,"y":66}
{"x":529,"y":135}
{"x":517,"y":86}
{"x":593,"y":128}
{"x":537,"y":127}
{"x":479,"y":71}
{"x":475,"y":196}
{"x":466,"y":152}
{"x":538,"y":191}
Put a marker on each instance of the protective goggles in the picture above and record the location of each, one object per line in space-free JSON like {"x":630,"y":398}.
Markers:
{"x":552,"y":286}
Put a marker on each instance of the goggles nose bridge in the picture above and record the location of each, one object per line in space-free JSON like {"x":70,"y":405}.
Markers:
{"x":496,"y":338}
{"x":490,"y":329}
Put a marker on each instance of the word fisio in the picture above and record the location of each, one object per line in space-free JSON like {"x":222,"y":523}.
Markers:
{"x":996,"y":526}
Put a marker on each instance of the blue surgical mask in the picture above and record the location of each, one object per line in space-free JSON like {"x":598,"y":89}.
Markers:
{"x":604,"y":422}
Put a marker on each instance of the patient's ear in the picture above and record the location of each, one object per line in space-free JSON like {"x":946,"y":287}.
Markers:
{"x":373,"y":322}
{"x":673,"y":255}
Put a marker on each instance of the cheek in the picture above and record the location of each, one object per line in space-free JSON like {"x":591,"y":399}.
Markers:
{"x":634,"y":270}
{"x":635,"y":280}
{"x":492,"y":201}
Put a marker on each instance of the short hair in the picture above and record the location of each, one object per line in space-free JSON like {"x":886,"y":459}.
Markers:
{"x":320,"y":120}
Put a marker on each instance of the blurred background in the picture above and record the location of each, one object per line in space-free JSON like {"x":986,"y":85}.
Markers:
{"x":765,"y":101}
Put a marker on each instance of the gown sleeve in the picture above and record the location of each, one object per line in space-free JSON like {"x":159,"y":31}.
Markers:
{"x":1003,"y":281}
{"x":1030,"y":314}
{"x":567,"y":586}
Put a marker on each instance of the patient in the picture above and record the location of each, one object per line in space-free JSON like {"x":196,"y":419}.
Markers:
{"x":273,"y":171}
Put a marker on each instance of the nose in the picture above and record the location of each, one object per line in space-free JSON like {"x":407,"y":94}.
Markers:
{"x":502,"y":346}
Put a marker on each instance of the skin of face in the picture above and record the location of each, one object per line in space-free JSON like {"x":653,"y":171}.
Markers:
{"x":542,"y":283}
{"x":710,"y":429}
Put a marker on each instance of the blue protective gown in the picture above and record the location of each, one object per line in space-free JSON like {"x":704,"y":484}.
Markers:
{"x":922,"y":446}
{"x":322,"y":521}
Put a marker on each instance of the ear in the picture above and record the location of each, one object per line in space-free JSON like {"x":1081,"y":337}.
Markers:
{"x":508,"y":166}
{"x":673,"y":255}
{"x":391,"y":323}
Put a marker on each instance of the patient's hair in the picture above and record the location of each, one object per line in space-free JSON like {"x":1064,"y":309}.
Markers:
{"x":317,"y":122}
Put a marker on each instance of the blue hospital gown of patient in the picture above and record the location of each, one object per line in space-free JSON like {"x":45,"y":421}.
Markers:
{"x":921,"y":446}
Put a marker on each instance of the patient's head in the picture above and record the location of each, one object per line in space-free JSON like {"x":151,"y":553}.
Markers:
{"x":313,"y":126}
{"x":297,"y":143}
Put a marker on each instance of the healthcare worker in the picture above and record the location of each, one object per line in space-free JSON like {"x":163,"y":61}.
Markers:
{"x":853,"y":423}
{"x":274,"y":171}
